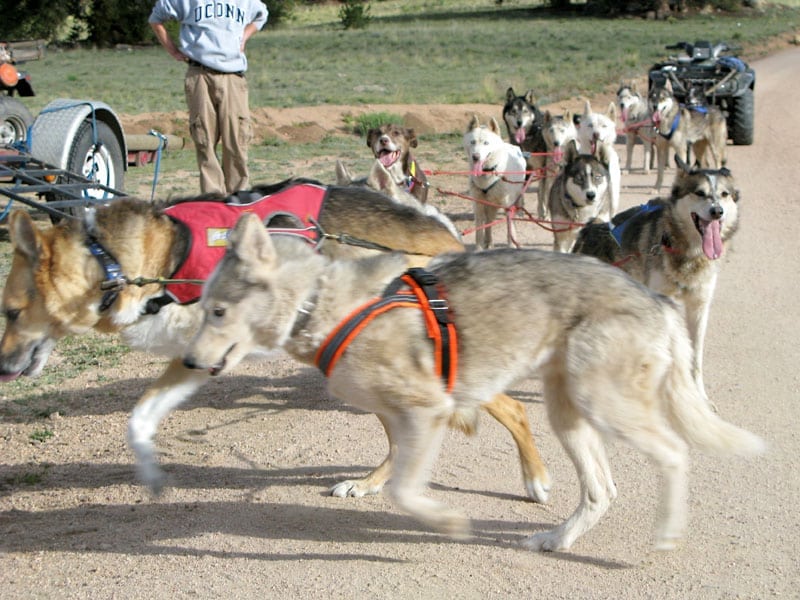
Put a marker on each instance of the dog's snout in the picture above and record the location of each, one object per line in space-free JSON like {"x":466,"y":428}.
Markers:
{"x":591,"y":195}
{"x":716,"y":211}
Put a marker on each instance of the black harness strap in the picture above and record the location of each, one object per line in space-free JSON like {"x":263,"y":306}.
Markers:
{"x":113,"y":280}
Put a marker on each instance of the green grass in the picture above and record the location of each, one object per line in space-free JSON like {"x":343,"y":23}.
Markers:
{"x":418,"y":52}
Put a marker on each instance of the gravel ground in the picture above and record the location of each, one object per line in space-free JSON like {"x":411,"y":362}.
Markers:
{"x":251,"y":457}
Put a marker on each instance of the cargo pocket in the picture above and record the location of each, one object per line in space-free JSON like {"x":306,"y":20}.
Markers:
{"x":198,"y":133}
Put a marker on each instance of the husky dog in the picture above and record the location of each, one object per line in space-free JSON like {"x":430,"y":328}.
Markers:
{"x":637,"y":122}
{"x":524,"y":122}
{"x":673,"y":245}
{"x":391,"y":144}
{"x":699,"y":126}
{"x":581,"y":192}
{"x":597,"y":134}
{"x":614,"y":358}
{"x":381,"y":180}
{"x":558,"y":131}
{"x":55,"y":288}
{"x":497,"y":177}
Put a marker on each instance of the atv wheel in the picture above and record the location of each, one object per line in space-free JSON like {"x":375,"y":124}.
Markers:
{"x":742,"y":119}
{"x":15,"y":119}
{"x":99,"y":161}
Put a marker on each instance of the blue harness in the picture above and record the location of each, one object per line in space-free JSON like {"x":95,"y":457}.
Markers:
{"x":617,"y":231}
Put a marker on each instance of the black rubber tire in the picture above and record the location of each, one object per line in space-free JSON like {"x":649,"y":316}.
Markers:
{"x":15,"y":119}
{"x":742,"y":119}
{"x":102,"y":162}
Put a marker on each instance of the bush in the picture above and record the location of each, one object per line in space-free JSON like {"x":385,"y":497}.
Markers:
{"x":354,"y":14}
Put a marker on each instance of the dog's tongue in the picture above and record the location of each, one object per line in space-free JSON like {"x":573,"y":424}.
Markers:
{"x":558,"y":154}
{"x":656,"y":117}
{"x":9,"y":376}
{"x":520,"y":135}
{"x":712,"y":240}
{"x":624,"y":115}
{"x":389,"y":158}
{"x":477,"y":168}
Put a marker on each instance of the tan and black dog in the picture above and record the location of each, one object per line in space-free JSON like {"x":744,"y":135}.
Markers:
{"x":54,"y":289}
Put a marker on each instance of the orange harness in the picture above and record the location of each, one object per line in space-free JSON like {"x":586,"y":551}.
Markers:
{"x":425,"y":294}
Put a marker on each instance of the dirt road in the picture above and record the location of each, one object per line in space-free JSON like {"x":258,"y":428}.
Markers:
{"x":251,"y":457}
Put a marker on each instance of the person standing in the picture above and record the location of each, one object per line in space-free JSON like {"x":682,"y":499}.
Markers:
{"x":212,"y":38}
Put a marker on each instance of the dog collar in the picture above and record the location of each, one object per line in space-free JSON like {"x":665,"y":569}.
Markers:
{"x":673,"y":128}
{"x":424,"y":294}
{"x":113,"y":279}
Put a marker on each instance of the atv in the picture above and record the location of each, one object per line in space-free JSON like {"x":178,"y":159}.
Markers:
{"x":15,"y":118}
{"x":716,"y":73}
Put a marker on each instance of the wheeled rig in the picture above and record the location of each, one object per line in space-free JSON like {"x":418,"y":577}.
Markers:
{"x":713,"y":72}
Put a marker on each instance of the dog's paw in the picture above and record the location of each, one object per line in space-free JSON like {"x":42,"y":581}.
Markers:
{"x":546,"y":541}
{"x":538,"y":490}
{"x":354,"y":488}
{"x":151,"y":476}
{"x":666,"y":543}
{"x":455,"y":525}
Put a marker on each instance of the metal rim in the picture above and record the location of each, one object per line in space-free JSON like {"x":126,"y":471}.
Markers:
{"x":12,"y":130}
{"x":98,"y":166}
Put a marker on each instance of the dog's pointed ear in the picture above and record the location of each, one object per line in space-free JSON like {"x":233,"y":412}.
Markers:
{"x":25,"y":237}
{"x":250,"y":240}
{"x":510,"y":95}
{"x":474,"y":123}
{"x":530,"y":97}
{"x":547,"y":118}
{"x":494,"y":126}
{"x":571,"y":151}
{"x":380,"y":179}
{"x":587,"y":108}
{"x":668,"y":85}
{"x":412,"y":137}
{"x":611,"y":113}
{"x":343,"y":176}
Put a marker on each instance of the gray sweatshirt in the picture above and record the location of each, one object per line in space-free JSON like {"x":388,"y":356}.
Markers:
{"x":211,"y":30}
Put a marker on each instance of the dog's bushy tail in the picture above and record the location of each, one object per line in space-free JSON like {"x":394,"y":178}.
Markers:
{"x":689,"y":411}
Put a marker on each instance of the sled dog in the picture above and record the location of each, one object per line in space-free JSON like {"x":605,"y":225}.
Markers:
{"x":637,"y":122}
{"x":597,"y":134}
{"x":497,"y":178}
{"x":558,"y":131}
{"x":614,"y":357}
{"x":55,"y":287}
{"x":673,"y":245}
{"x":524,"y":122}
{"x":381,"y":180}
{"x":581,"y":192}
{"x":697,"y":125}
{"x":391,"y":144}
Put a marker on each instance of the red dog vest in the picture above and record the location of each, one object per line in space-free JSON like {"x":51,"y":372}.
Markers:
{"x":209,"y":223}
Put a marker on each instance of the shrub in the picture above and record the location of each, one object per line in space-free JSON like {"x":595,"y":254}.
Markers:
{"x":354,"y":14}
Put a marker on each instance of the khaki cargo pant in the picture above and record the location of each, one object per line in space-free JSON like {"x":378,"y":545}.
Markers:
{"x":219,"y":113}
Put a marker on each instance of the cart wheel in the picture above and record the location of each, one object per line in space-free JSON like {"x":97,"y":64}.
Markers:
{"x":99,"y":161}
{"x":15,"y":119}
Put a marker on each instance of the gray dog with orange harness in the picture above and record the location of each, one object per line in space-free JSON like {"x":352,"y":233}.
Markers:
{"x":618,"y":367}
